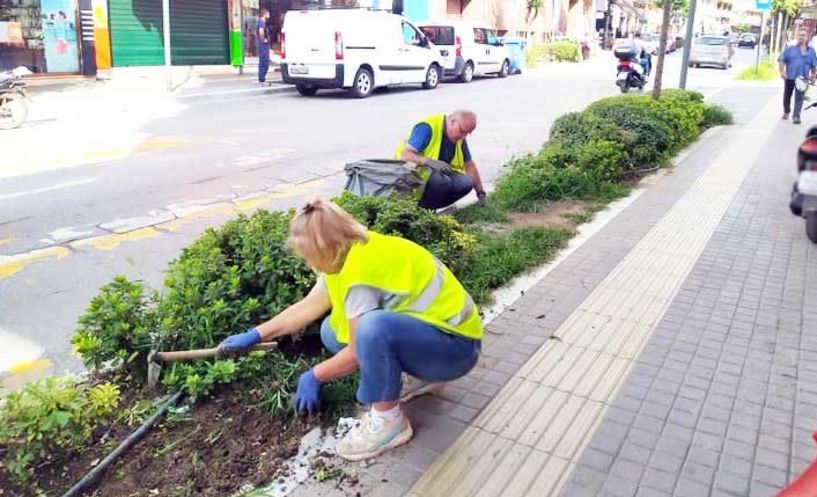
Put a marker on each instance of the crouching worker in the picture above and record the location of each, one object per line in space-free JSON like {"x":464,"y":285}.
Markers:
{"x":437,"y":146}
{"x":396,"y":311}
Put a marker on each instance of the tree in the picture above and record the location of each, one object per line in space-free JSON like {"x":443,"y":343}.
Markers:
{"x":662,"y":50}
{"x":676,"y":6}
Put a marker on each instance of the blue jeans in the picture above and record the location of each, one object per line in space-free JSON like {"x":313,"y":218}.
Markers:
{"x":389,"y":343}
{"x":441,"y":190}
{"x":263,"y":61}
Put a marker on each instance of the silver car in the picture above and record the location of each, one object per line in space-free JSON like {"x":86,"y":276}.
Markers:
{"x":711,"y":50}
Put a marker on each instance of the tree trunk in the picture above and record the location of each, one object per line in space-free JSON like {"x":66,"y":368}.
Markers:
{"x":662,"y":51}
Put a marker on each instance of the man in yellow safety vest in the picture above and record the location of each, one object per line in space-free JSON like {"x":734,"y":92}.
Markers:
{"x":438,"y":146}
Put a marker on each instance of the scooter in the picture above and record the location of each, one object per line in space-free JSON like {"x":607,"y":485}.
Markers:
{"x":803,"y":201}
{"x":630,"y":73}
{"x":13,"y":98}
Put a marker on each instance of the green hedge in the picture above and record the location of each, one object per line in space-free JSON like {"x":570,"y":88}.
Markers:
{"x":563,"y":51}
{"x":589,"y":152}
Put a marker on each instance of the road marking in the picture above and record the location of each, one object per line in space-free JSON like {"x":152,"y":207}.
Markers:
{"x":110,"y":242}
{"x":17,"y":351}
{"x":13,"y":264}
{"x":58,"y":186}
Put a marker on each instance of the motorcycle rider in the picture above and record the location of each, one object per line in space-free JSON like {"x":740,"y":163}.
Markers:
{"x":644,"y":57}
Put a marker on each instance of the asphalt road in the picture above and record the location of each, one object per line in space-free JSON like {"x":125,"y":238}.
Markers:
{"x":196,"y":164}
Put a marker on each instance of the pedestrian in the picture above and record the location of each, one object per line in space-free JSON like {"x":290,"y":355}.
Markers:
{"x":438,"y":147}
{"x":394,"y":309}
{"x":263,"y":34}
{"x":813,"y":42}
{"x":796,"y":61}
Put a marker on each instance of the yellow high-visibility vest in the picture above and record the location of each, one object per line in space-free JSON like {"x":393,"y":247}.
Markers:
{"x":426,"y":289}
{"x":432,"y":150}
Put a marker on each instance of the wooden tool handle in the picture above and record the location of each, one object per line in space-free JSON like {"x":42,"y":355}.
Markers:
{"x":189,"y":355}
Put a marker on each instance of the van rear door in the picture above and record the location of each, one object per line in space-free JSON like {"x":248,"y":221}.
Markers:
{"x":444,"y":38}
{"x":311,"y":42}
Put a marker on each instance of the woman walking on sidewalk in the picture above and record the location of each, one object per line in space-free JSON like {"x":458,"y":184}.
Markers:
{"x":394,"y":309}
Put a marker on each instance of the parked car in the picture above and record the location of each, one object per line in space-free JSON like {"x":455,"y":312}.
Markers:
{"x":711,"y":50}
{"x":747,"y":40}
{"x":651,"y":43}
{"x":358,"y":50}
{"x":468,"y":49}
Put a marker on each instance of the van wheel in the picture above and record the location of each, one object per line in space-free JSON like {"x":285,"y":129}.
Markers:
{"x":363,"y":84}
{"x":307,"y":91}
{"x":432,"y":77}
{"x":503,"y":73}
{"x":467,"y":73}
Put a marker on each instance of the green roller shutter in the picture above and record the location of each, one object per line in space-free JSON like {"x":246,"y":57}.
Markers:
{"x":136,"y":32}
{"x":198,"y":32}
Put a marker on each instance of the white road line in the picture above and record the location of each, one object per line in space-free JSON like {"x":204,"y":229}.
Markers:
{"x":58,"y":186}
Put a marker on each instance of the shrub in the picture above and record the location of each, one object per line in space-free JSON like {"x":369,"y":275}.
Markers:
{"x":683,"y":111}
{"x":766,"y":71}
{"x":715,"y":115}
{"x":653,"y":141}
{"x":563,"y":51}
{"x":534,"y":54}
{"x":117,"y":325}
{"x":229,"y":279}
{"x":532,"y":180}
{"x":48,"y":414}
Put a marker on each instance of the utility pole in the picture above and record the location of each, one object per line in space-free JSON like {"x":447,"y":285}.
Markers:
{"x":688,"y":43}
{"x":166,"y":35}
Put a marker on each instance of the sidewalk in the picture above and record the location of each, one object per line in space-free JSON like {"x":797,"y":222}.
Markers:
{"x":665,"y":356}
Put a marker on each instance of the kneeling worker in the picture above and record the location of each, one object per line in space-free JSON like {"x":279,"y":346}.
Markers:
{"x":437,"y":146}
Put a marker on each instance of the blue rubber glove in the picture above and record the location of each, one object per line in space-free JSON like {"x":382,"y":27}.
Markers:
{"x":308,"y":396}
{"x":240,"y":342}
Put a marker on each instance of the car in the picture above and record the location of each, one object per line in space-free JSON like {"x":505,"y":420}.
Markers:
{"x":467,"y":49}
{"x":650,"y":43}
{"x":711,"y":50}
{"x":734,"y":38}
{"x":747,"y":40}
{"x":356,"y":50}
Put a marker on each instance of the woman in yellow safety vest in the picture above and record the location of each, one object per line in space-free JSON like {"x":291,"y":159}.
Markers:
{"x":395,"y":309}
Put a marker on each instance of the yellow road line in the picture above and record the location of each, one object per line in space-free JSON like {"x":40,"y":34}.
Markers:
{"x":110,"y":242}
{"x":14,"y":264}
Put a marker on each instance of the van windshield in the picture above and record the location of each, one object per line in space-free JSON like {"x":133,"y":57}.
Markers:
{"x":439,"y":35}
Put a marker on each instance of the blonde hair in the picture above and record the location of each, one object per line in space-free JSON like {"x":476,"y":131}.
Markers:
{"x":321,"y":232}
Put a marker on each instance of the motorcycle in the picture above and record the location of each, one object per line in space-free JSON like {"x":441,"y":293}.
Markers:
{"x":630,"y":73}
{"x":585,"y":48}
{"x":13,"y":98}
{"x":803,"y":201}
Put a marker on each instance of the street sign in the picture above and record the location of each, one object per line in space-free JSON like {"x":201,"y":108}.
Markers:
{"x":763,"y":4}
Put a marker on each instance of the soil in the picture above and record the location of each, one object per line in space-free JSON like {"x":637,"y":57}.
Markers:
{"x":218,"y":447}
{"x":556,"y":215}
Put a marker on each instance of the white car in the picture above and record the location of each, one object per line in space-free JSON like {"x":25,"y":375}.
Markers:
{"x":468,"y":49}
{"x":712,"y":50}
{"x":358,"y":50}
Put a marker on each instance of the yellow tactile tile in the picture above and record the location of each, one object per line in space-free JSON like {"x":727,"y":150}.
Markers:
{"x":534,"y":431}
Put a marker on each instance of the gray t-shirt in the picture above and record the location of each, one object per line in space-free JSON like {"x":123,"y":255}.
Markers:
{"x":363,"y":298}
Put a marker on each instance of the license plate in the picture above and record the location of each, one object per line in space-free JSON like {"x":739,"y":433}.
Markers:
{"x":807,"y":184}
{"x":298,"y":70}
{"x":622,"y":76}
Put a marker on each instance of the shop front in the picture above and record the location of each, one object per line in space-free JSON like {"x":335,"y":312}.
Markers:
{"x":42,"y":35}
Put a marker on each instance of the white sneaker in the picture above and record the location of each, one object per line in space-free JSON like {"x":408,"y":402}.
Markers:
{"x":373,"y":436}
{"x":414,"y":387}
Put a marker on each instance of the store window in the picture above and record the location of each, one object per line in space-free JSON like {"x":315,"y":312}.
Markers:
{"x":39,"y":34}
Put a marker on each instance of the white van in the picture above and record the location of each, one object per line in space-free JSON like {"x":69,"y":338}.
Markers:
{"x":355,"y":49}
{"x":468,"y":49}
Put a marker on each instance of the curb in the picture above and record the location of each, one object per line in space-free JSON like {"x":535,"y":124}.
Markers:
{"x":270,"y":90}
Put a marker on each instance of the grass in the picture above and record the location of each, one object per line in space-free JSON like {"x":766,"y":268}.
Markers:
{"x":475,"y":213}
{"x":504,"y":255}
{"x":766,"y":71}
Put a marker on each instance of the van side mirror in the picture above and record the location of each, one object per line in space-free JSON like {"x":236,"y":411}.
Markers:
{"x":424,"y":41}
